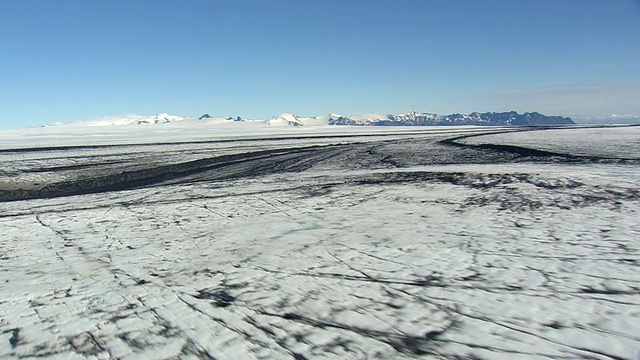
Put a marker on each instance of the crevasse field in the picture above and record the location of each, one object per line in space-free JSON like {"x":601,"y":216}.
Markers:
{"x":332,"y":243}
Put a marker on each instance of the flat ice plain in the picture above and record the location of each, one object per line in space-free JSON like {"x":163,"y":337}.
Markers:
{"x":349,"y":243}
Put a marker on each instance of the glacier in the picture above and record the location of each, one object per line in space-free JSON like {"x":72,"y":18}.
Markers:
{"x":287,"y":243}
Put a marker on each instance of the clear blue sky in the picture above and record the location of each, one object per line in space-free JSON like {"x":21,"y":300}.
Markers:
{"x":67,"y":60}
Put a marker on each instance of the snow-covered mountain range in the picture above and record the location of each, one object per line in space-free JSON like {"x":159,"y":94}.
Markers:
{"x":426,"y":119}
{"x":126,"y":119}
{"x":408,"y":119}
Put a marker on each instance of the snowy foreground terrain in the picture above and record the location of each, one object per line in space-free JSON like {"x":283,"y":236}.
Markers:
{"x":444,"y":243}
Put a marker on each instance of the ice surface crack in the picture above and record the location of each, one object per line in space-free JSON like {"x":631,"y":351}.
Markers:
{"x":400,"y":341}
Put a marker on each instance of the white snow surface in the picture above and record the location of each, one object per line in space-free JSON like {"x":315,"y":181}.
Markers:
{"x":194,"y":130}
{"x":607,"y":141}
{"x":340,"y":260}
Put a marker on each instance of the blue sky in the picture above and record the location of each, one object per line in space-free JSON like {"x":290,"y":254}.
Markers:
{"x":68,"y":60}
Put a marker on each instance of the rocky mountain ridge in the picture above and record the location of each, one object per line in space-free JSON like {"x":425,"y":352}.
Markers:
{"x":475,"y":118}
